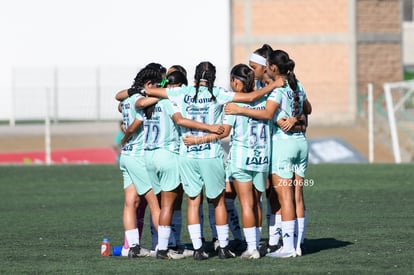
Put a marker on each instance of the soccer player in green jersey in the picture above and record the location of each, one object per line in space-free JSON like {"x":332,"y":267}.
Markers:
{"x":257,"y":61}
{"x":132,"y":165}
{"x":155,"y":137}
{"x":289,"y":149}
{"x":250,"y":158}
{"x":202,"y":164}
{"x":161,"y":155}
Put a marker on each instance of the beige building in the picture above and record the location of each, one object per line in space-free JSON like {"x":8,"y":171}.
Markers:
{"x":339,"y":46}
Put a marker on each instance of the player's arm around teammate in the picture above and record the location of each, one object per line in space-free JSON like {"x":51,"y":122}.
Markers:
{"x":163,"y":168}
{"x":132,"y":165}
{"x":202,"y":165}
{"x":249,"y":165}
{"x":240,"y":97}
{"x":250,"y":159}
{"x":136,"y":183}
{"x":289,"y":151}
{"x":257,"y":61}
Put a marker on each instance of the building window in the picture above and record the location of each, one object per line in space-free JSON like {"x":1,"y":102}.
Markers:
{"x":408,"y":6}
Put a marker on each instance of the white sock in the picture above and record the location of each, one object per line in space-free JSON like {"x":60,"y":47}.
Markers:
{"x":275,"y":229}
{"x":132,"y":237}
{"x":250,"y":236}
{"x":288,"y":229}
{"x":278,"y":223}
{"x":212,"y":220}
{"x":176,"y":224}
{"x":301,"y":227}
{"x":233,"y":218}
{"x":258,"y":235}
{"x":272,"y":230}
{"x":195,"y":234}
{"x":223,"y":235}
{"x":164,"y":232}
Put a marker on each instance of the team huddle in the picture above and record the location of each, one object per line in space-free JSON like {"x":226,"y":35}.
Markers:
{"x":172,"y":145}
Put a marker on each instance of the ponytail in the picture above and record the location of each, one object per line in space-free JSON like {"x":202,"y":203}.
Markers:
{"x":205,"y":71}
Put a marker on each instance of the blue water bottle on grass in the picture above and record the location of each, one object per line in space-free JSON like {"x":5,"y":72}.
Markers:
{"x":117,"y":251}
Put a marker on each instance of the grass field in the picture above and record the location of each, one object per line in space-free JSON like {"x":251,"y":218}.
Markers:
{"x":53,"y":219}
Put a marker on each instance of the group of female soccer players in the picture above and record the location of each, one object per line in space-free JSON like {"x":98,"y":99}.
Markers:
{"x":172,"y":144}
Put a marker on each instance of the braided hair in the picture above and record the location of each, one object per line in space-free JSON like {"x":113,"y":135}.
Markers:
{"x":157,"y":67}
{"x":205,"y":71}
{"x":143,"y":76}
{"x":149,"y":73}
{"x":286,"y":66}
{"x":245,"y":74}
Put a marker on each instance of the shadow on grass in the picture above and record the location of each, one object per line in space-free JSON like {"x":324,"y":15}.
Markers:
{"x":311,"y":245}
{"x":236,"y":246}
{"x":315,"y":245}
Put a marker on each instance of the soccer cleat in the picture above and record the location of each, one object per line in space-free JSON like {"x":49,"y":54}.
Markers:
{"x":280,"y":253}
{"x":250,"y":255}
{"x":138,"y":251}
{"x":173,"y":254}
{"x":187,"y":253}
{"x":182,"y":251}
{"x":225,"y":253}
{"x":162,"y":254}
{"x":273,"y":248}
{"x":200,"y":254}
{"x":266,"y":248}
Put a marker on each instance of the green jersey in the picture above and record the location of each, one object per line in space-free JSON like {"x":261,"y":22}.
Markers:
{"x":202,"y":109}
{"x":135,"y":144}
{"x":250,"y":140}
{"x":160,"y":130}
{"x":284,"y":96}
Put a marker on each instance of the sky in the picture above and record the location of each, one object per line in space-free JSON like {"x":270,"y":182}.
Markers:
{"x":48,"y":33}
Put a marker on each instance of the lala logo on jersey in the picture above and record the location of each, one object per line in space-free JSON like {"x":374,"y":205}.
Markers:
{"x":199,"y":148}
{"x":127,"y":147}
{"x":257,"y":159}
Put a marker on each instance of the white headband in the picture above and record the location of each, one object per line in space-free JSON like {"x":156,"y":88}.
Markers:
{"x":257,"y":59}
